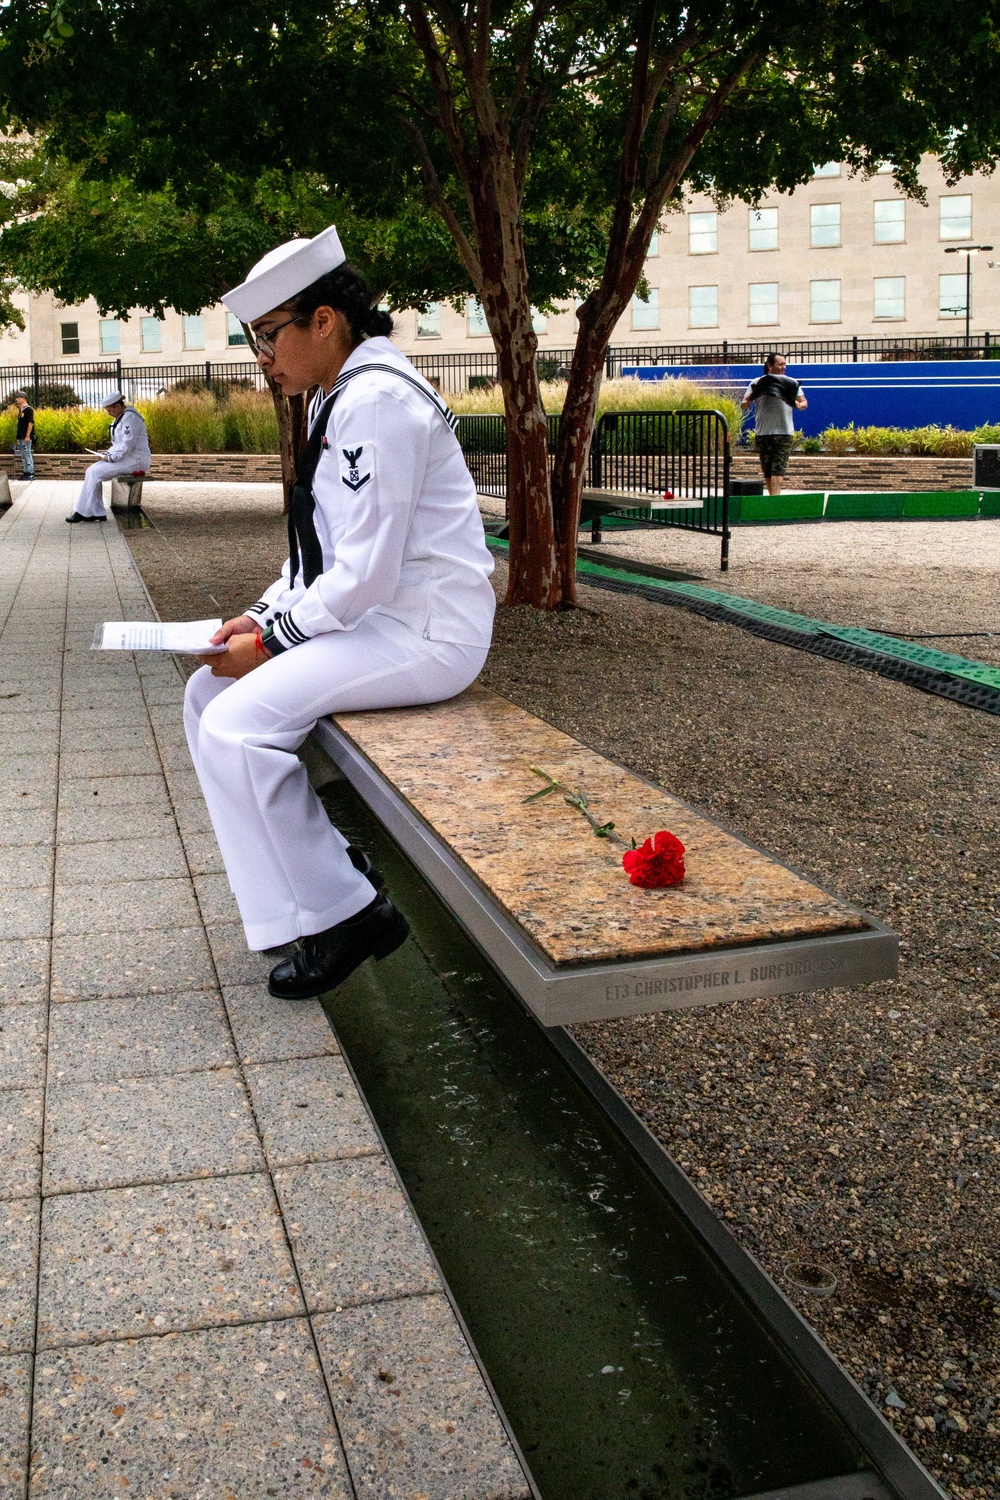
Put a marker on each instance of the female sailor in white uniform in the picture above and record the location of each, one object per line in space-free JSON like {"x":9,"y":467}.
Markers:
{"x":129,"y":454}
{"x":385,"y":601}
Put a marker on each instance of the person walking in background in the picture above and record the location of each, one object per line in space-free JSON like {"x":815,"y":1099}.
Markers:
{"x":776,"y":395}
{"x":24,"y":441}
{"x":129,"y":454}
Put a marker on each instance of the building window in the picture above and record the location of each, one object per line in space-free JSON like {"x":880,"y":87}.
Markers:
{"x":646,"y":314}
{"x":763,"y":229}
{"x":234,"y":331}
{"x":890,"y":221}
{"x":703,"y":234}
{"x":476,"y":315}
{"x":654,"y":245}
{"x":828,"y":169}
{"x":151,"y":335}
{"x":111,"y":336}
{"x":539,"y":322}
{"x":703,"y":306}
{"x":956,"y":217}
{"x":951,"y":296}
{"x":824,"y":224}
{"x":824,"y":301}
{"x":194,"y":331}
{"x":429,"y":322}
{"x":890,"y":297}
{"x":69,"y":334}
{"x":764,"y":302}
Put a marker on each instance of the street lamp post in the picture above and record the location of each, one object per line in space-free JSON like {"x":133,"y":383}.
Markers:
{"x":968,"y":251}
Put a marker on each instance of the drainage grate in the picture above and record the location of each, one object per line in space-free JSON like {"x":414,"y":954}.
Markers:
{"x":962,"y":690}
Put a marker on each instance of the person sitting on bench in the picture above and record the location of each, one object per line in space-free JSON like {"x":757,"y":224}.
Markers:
{"x":385,"y":602}
{"x":129,"y":454}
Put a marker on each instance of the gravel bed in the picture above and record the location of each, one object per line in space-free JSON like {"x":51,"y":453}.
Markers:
{"x":856,"y":1129}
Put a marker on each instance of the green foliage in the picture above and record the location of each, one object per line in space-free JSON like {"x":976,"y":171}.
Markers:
{"x":251,"y":423}
{"x":53,"y":393}
{"x":190,"y":161}
{"x":52,"y":429}
{"x":905,"y":442}
{"x":184,"y":424}
{"x":8,"y":427}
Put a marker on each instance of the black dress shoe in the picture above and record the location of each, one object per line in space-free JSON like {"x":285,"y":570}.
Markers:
{"x":325,"y":959}
{"x":362,"y":863}
{"x":72,"y":520}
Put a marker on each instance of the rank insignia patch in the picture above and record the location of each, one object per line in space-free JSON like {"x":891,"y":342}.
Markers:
{"x":357,"y":466}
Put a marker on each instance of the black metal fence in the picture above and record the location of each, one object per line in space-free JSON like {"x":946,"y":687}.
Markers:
{"x":675,"y":455}
{"x":88,"y":384}
{"x":806,"y":351}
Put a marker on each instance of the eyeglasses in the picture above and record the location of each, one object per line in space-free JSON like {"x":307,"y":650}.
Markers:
{"x":263,"y":343}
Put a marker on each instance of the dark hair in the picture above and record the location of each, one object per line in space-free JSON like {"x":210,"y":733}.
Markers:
{"x":348,"y":293}
{"x":770,"y":358}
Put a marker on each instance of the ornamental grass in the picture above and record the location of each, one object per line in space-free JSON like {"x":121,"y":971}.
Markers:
{"x":627,"y":393}
{"x":188,"y":423}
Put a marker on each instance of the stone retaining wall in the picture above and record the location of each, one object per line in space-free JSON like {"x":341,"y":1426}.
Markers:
{"x":822,"y":472}
{"x":219,"y":468}
{"x":805,"y":471}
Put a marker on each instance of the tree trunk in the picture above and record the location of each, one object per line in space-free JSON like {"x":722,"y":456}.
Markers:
{"x":576,"y":432}
{"x":532,"y":577}
{"x":286,"y":439}
{"x":291,"y":415}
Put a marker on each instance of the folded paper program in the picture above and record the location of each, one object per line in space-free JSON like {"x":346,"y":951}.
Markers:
{"x":189,"y":637}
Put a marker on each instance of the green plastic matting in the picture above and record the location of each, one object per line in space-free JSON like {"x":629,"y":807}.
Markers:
{"x":989,"y":503}
{"x":802,"y":506}
{"x":942,"y":503}
{"x":854,"y":505}
{"x":735,"y":606}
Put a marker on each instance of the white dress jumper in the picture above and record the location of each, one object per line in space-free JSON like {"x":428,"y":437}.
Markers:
{"x":400,"y":612}
{"x":129,"y":453}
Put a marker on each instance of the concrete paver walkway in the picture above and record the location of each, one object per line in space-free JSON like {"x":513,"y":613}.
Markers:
{"x":211,"y":1284}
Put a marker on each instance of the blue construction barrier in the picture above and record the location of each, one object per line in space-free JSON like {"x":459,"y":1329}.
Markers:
{"x":903,"y":393}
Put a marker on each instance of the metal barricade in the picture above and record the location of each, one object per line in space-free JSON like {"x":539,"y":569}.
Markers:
{"x":484,"y":443}
{"x":670,"y":455}
{"x":682,"y":455}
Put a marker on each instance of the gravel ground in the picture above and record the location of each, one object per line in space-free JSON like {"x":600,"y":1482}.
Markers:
{"x":856,"y":1129}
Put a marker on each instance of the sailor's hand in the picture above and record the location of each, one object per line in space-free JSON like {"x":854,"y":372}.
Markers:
{"x":241,"y":625}
{"x":242,"y":654}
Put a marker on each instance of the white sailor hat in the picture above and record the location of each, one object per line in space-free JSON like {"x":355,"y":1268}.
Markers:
{"x":283,"y":272}
{"x":113,"y":399}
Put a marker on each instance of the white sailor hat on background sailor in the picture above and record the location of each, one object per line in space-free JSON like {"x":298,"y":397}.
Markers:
{"x":283,"y":272}
{"x":113,"y":399}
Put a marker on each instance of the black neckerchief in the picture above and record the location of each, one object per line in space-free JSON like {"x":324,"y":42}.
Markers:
{"x":303,"y":542}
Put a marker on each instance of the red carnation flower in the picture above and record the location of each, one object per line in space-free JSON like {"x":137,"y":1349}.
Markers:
{"x":657,"y":862}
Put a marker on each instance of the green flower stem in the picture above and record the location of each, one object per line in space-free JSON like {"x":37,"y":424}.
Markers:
{"x":575,"y":798}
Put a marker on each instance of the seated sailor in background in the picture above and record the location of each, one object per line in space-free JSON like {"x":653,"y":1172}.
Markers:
{"x":385,"y":601}
{"x":129,"y":454}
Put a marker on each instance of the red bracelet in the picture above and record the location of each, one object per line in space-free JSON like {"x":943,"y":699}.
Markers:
{"x":259,"y":647}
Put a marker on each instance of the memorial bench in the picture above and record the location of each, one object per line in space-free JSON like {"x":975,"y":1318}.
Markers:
{"x":548,"y":902}
{"x":126,"y":493}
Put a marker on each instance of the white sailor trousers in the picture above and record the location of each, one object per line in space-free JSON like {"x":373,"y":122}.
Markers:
{"x":285,"y":861}
{"x":91,"y":499}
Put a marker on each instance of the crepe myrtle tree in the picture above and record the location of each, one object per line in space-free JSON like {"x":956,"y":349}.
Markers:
{"x":549,"y":136}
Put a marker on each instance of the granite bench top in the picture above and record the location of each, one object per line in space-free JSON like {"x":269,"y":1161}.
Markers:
{"x":465,"y":767}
